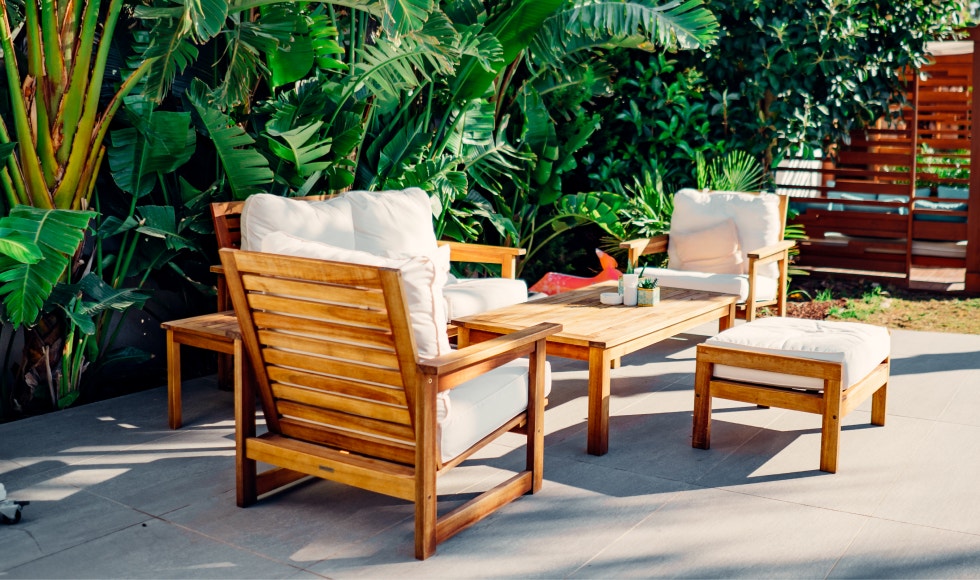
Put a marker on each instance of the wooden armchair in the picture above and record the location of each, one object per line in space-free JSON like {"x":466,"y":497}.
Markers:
{"x":346,"y":397}
{"x":727,"y":242}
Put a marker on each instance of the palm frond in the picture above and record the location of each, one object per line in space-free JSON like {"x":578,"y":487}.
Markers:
{"x":735,"y":171}
{"x":246,"y":170}
{"x":302,"y":146}
{"x":403,"y":16}
{"x":684,"y":24}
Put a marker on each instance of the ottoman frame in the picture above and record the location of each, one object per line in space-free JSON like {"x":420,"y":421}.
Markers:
{"x":833,"y":403}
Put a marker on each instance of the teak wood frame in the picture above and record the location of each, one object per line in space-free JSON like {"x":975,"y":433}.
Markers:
{"x":832,"y":403}
{"x":778,"y":252}
{"x":345,"y":396}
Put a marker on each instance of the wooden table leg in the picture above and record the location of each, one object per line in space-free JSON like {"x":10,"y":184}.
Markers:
{"x":727,"y":321}
{"x":173,"y":382}
{"x":599,"y":374}
{"x":462,"y":337}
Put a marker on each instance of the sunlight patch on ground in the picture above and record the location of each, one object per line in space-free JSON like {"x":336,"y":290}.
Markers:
{"x":60,"y":487}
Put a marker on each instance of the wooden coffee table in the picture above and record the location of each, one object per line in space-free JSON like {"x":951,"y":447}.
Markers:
{"x":601,"y":334}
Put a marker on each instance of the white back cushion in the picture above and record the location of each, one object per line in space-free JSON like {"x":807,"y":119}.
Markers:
{"x":329,"y":221}
{"x":756,"y":218}
{"x":396,"y":224}
{"x":714,"y":249}
{"x":423,"y":277}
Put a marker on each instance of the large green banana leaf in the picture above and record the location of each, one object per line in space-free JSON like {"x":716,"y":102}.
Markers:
{"x":246,"y":170}
{"x":57,"y":235}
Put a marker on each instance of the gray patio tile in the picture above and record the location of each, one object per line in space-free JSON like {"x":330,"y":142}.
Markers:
{"x":308,"y":523}
{"x":76,"y":435}
{"x":580,"y":510}
{"x":717,"y":534}
{"x":652,"y":436}
{"x":60,"y":516}
{"x":902,"y":503}
{"x":155,"y":477}
{"x":965,"y":401}
{"x":155,"y":549}
{"x":939,"y":486}
{"x":887,"y":549}
{"x":782,"y":462}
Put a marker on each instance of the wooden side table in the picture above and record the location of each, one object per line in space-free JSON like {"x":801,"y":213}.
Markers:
{"x":217,"y":332}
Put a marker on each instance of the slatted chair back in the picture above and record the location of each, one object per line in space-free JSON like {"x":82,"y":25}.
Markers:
{"x":333,"y":355}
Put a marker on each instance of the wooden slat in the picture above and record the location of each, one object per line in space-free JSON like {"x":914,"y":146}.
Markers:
{"x":363,"y":298}
{"x":328,"y":347}
{"x":331,"y":367}
{"x":351,"y":406}
{"x":327,"y":312}
{"x":310,"y":269}
{"x":346,"y":442}
{"x":341,"y":385}
{"x":380,"y":338}
{"x":353,"y":423}
{"x":365,"y":473}
{"x":810,"y":402}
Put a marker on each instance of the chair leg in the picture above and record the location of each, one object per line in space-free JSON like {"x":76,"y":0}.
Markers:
{"x":245,"y":469}
{"x":830,"y":430}
{"x":701,"y":437}
{"x":535,"y":418}
{"x":878,"y":405}
{"x":425,"y":515}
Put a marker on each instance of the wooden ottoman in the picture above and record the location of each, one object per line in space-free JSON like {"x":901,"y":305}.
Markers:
{"x":821,"y":367}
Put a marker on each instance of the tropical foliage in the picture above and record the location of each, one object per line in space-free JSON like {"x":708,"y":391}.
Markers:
{"x":523,"y":119}
{"x":804,"y":74}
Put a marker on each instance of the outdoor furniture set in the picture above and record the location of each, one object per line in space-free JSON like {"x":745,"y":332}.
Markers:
{"x":350,"y":355}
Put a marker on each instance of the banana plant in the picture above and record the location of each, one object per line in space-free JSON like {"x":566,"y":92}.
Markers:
{"x":56,"y":116}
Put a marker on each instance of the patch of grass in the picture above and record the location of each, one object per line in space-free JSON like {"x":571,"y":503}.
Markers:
{"x":894,"y":307}
{"x":824,"y":295}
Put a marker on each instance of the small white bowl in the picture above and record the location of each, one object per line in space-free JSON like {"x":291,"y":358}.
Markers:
{"x":611,"y":298}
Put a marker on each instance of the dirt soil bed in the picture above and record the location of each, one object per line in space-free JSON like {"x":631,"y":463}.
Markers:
{"x":885,"y":305}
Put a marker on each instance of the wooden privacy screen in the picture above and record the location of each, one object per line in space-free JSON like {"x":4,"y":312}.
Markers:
{"x":899,"y":194}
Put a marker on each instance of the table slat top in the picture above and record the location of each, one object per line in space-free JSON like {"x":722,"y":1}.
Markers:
{"x":588,"y":322}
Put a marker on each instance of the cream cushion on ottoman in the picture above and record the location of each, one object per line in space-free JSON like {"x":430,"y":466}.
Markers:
{"x":860,"y":347}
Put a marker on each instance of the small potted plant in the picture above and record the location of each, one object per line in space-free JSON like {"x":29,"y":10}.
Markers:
{"x":647,"y":292}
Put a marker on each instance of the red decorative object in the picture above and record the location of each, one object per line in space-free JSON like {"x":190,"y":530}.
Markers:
{"x":556,"y":283}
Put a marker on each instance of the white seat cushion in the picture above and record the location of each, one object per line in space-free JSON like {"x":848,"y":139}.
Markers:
{"x":480,"y":406}
{"x":329,"y":221}
{"x":738,"y":284}
{"x":860,"y":347}
{"x":423,"y":278}
{"x":395,"y":224}
{"x":756,"y":218}
{"x":468,"y":296}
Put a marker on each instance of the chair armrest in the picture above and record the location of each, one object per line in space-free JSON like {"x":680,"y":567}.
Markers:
{"x":484,"y":254}
{"x":772,"y":250}
{"x":642,"y":246}
{"x":461,"y":365}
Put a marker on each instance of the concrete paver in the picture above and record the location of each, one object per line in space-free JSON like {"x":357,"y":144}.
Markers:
{"x":115,"y":494}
